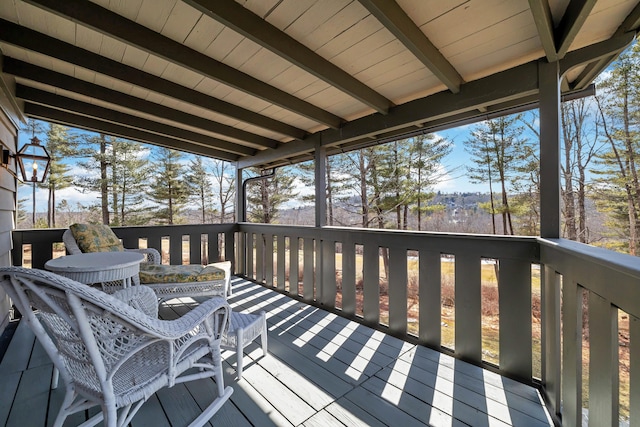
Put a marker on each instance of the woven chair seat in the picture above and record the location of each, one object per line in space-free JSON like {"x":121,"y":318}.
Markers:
{"x":176,"y":281}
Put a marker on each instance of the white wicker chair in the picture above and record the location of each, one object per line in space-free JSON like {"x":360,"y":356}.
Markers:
{"x":111,"y":350}
{"x":166,"y":291}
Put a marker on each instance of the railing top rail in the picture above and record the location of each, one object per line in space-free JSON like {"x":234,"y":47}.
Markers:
{"x":486,"y":246}
{"x":613,"y":276}
{"x":623,"y":263}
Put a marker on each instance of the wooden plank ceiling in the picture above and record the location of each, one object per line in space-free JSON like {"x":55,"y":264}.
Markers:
{"x":265,"y":82}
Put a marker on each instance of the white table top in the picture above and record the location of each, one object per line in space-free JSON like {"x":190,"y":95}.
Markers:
{"x":100,"y":261}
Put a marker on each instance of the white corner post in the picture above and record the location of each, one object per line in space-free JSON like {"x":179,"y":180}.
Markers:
{"x":549,"y":86}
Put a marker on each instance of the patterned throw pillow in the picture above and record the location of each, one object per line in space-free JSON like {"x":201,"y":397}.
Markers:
{"x":95,"y":238}
{"x":179,"y":273}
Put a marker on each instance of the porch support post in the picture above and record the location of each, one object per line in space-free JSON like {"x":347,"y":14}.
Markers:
{"x":240,"y":213}
{"x":320,"y":164}
{"x":549,"y":86}
{"x":240,"y":217}
{"x":549,"y":83}
{"x":321,"y":184}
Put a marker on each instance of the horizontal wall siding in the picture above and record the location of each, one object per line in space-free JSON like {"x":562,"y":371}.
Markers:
{"x":8,"y":141}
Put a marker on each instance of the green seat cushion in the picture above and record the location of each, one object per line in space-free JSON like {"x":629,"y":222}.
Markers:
{"x":179,"y":273}
{"x":95,"y":238}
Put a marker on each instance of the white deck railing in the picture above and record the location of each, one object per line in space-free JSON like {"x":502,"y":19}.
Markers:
{"x":340,"y":269}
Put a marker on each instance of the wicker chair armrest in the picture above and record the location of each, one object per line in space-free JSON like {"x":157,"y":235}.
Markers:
{"x":214,"y":306}
{"x":151,"y":255}
{"x":183,"y":325}
{"x":70,"y":243}
{"x":140,"y":297}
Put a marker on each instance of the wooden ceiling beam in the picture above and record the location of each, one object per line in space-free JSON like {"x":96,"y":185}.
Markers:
{"x":37,"y":96}
{"x":113,"y":25}
{"x":95,"y":125}
{"x":574,"y":17}
{"x":594,"y":52}
{"x":509,"y":85}
{"x":544,"y":23}
{"x":243,"y":21}
{"x":510,"y":89}
{"x":42,"y":75}
{"x":391,"y":15}
{"x":32,"y":40}
{"x":630,"y":24}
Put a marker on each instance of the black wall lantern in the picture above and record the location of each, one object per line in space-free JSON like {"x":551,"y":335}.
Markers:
{"x":32,"y":159}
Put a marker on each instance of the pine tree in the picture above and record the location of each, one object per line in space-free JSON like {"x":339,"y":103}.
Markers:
{"x":265,"y":197}
{"x":619,"y":105}
{"x":118,"y":170}
{"x":496,"y":149}
{"x":168,"y":188}
{"x":201,"y":189}
{"x":61,"y":146}
{"x":129,"y":170}
{"x":425,"y":170}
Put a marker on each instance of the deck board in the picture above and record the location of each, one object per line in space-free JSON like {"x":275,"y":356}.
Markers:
{"x":321,"y":370}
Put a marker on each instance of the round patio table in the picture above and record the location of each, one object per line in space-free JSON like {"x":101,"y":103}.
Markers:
{"x":112,"y":270}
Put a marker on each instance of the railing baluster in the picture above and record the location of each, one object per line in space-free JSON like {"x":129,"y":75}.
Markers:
{"x":397,"y":290}
{"x":280,"y":259}
{"x":213,"y":254}
{"x":371,"y":278}
{"x":154,"y":240}
{"x":328,"y":284}
{"x":349,"y":277}
{"x":430,"y":277}
{"x":175,"y":248}
{"x":571,"y":353}
{"x":468,"y":330}
{"x":294,"y":264}
{"x":603,"y":362}
{"x":195,"y":248}
{"x":514,"y":293}
{"x":259,"y":242}
{"x":268,"y":259}
{"x":551,"y":366}
{"x":308,"y":269}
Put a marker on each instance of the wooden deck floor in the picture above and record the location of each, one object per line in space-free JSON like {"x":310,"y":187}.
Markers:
{"x":322,"y":370}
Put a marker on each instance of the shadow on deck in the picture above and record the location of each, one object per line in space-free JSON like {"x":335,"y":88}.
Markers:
{"x":322,"y":370}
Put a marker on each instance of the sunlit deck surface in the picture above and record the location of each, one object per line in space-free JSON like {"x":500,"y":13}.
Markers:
{"x":322,"y":370}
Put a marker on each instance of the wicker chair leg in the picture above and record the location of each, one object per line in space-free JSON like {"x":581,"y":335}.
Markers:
{"x":54,"y":378}
{"x":239,"y":352}
{"x":64,"y":408}
{"x":263,"y":335}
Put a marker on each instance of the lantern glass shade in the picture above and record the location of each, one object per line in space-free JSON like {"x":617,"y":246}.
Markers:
{"x":33,"y":161}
